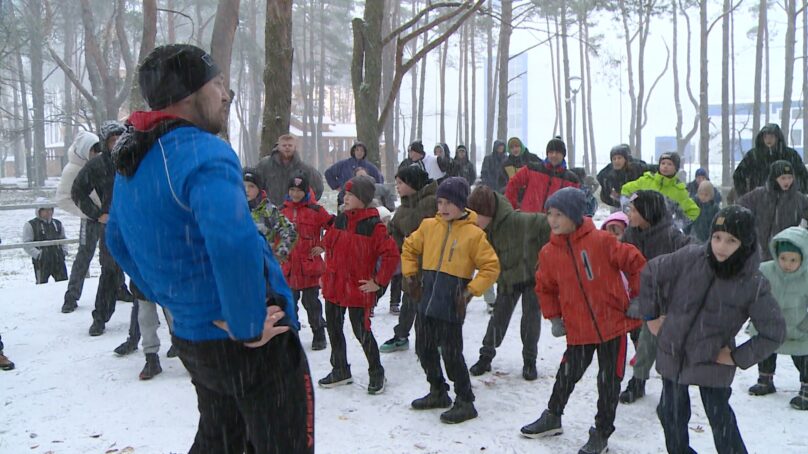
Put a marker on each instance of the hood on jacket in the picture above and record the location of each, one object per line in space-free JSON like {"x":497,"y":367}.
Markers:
{"x":79,"y":152}
{"x":465,"y":150}
{"x":797,"y":236}
{"x":617,"y":216}
{"x":498,"y":143}
{"x":446,"y":152}
{"x":143,"y":129}
{"x":41,"y":200}
{"x":353,"y":149}
{"x":504,"y":209}
{"x":522,"y":148}
{"x":771,"y":128}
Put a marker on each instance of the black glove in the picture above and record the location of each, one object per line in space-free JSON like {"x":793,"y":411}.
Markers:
{"x":558,"y":330}
{"x":633,"y":310}
{"x":412,"y":287}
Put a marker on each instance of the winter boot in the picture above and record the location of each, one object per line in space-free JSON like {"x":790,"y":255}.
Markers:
{"x":395,"y":307}
{"x":764,"y":385}
{"x":126,"y":348}
{"x":482,"y":366}
{"x":337,"y":377}
{"x":597,"y":444}
{"x":798,"y":403}
{"x":69,"y":306}
{"x":319,"y":342}
{"x":172,"y":352}
{"x":5,"y":363}
{"x":394,"y":345}
{"x":377,"y":382}
{"x":461,"y":411}
{"x":634,"y":391}
{"x":152,"y":367}
{"x":548,"y":425}
{"x":437,"y":398}
{"x":529,"y":371}
{"x":97,"y":328}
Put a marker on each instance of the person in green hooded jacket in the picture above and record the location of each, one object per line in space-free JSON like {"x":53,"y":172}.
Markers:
{"x":666,"y":182}
{"x":517,"y":238}
{"x":788,"y":276}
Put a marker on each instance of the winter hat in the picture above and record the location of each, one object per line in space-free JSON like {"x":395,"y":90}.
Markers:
{"x":110,"y":128}
{"x":650,"y":204}
{"x":445,"y":148}
{"x":616,"y":217}
{"x":173,"y":72}
{"x":362,"y":187}
{"x":455,"y":190}
{"x":300,"y":181}
{"x":787,"y":246}
{"x":483,"y":201}
{"x":418,"y":147}
{"x":620,"y":150}
{"x":251,"y":175}
{"x":461,"y":147}
{"x":413,"y":176}
{"x":672,"y":157}
{"x":700,"y":172}
{"x":738,"y":222}
{"x":570,"y":201}
{"x":706,"y":188}
{"x":556,"y":144}
{"x":359,"y":144}
{"x":780,"y":168}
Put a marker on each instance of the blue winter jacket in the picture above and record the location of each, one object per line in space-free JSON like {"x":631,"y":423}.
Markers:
{"x":342,"y":171}
{"x":181,"y":228}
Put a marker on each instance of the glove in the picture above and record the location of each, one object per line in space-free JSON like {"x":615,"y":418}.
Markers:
{"x":633,"y":310}
{"x":412,"y":285}
{"x":559,"y":330}
{"x":462,"y":300}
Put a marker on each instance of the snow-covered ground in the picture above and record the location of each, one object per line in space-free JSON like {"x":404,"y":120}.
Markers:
{"x":71,"y":394}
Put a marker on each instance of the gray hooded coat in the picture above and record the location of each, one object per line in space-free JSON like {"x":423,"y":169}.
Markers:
{"x":705,"y":313}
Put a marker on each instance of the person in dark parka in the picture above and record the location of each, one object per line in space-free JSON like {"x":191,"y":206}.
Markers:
{"x":777,"y":205}
{"x":338,"y":174}
{"x":462,"y":166}
{"x":517,"y":238}
{"x":696,"y":300}
{"x":770,"y":146}
{"x":493,"y":174}
{"x":620,"y":171}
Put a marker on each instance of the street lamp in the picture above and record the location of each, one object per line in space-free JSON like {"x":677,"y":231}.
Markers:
{"x":575,"y":86}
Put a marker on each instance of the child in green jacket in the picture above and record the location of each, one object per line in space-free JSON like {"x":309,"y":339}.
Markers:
{"x":666,"y":182}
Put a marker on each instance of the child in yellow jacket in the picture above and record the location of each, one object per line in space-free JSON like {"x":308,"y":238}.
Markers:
{"x":448,"y":249}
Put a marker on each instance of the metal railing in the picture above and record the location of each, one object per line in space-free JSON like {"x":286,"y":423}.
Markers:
{"x":30,"y":206}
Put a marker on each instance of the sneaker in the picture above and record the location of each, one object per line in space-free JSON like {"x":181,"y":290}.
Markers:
{"x":394,"y":345}
{"x":597,"y":443}
{"x":172,"y":352}
{"x":798,"y":403}
{"x":151,"y":368}
{"x":764,"y":385}
{"x":97,"y":328}
{"x":634,"y":390}
{"x":377,"y":383}
{"x":548,"y":425}
{"x":395,"y":307}
{"x":482,"y":366}
{"x":69,"y":306}
{"x":5,"y":363}
{"x":125,"y":348}
{"x":319,"y":342}
{"x":529,"y":372}
{"x":461,"y":411}
{"x":336,"y":378}
{"x":435,"y":399}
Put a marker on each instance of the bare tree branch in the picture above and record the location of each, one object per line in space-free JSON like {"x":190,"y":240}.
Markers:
{"x":656,"y":81}
{"x":126,"y":53}
{"x":416,"y":18}
{"x":71,"y":75}
{"x":715,"y":21}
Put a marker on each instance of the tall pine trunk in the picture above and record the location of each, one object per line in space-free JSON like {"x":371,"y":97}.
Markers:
{"x":565,"y":58}
{"x":36,"y":39}
{"x":788,"y":78}
{"x":503,"y":53}
{"x":756,"y":99}
{"x":277,"y":73}
{"x":726,"y":149}
{"x":704,"y":119}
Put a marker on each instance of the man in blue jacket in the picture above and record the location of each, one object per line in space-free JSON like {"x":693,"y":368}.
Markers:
{"x":181,"y":228}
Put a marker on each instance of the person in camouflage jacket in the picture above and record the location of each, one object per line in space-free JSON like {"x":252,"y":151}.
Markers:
{"x":279,"y":232}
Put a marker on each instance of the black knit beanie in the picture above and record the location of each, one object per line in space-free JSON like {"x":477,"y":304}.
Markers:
{"x":740,"y":223}
{"x":251,"y":175}
{"x":173,"y":72}
{"x":557,"y":144}
{"x":672,"y":157}
{"x":299,"y":180}
{"x":650,"y":204}
{"x":455,"y":190}
{"x":413,"y":176}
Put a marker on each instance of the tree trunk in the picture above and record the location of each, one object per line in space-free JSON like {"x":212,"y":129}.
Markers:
{"x":565,"y":58}
{"x":421,"y":92}
{"x":171,"y":26}
{"x":442,"y":90}
{"x":221,"y":43}
{"x":768,"y":98}
{"x":388,"y":69}
{"x":804,"y":109}
{"x":277,"y":73}
{"x":69,"y":49}
{"x":19,"y":146}
{"x":726,"y":149}
{"x":733,"y":143}
{"x":761,"y":32}
{"x":490,"y":89}
{"x":584,"y":95}
{"x":35,"y":36}
{"x":557,"y":77}
{"x":26,"y":118}
{"x":503,"y":53}
{"x":467,"y":30}
{"x":592,"y":153}
{"x":632,"y":94}
{"x":366,"y":75}
{"x":788,"y":87}
{"x":322,"y":149}
{"x":473,"y":144}
{"x":704,"y":120}
{"x":414,"y":89}
{"x":255,"y":89}
{"x":147,"y":43}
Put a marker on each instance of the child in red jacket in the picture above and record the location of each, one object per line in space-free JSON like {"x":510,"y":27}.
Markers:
{"x":533,"y":184}
{"x":582,"y":294}
{"x":355,"y":243}
{"x":305,"y":264}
